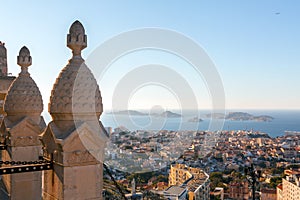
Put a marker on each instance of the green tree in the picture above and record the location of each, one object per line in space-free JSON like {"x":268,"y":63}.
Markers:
{"x":274,"y":181}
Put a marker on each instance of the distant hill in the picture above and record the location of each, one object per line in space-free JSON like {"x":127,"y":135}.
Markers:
{"x":167,"y":114}
{"x":215,"y":115}
{"x":264,"y":118}
{"x":128,"y":112}
{"x":238,"y":116}
{"x":242,"y":116}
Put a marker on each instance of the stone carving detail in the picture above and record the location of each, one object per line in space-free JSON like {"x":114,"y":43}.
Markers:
{"x":23,"y":97}
{"x":75,"y":91}
{"x":78,"y":158}
{"x":75,"y":105}
{"x":21,"y":128}
{"x":76,"y":39}
{"x":69,"y":98}
{"x":25,"y":141}
{"x":3,"y":60}
{"x":2,"y":50}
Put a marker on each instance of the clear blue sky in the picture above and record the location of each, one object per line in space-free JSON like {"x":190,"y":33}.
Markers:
{"x":255,"y":45}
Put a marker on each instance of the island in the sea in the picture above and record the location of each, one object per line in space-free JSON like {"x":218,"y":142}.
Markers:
{"x":232,"y":116}
{"x":195,"y":119}
{"x":166,"y":114}
{"x":169,"y":114}
{"x":215,"y":115}
{"x":240,"y":116}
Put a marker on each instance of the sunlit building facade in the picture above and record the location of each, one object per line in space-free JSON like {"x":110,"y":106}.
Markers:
{"x":195,"y":180}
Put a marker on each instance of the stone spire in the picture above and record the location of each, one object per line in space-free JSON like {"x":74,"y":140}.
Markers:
{"x":22,"y":125}
{"x":75,"y":138}
{"x":23,"y":97}
{"x":133,"y":187}
{"x":75,"y":92}
{"x":2,"y":49}
{"x":3,"y":60}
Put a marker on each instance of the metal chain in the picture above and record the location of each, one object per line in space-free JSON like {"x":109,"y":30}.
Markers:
{"x":24,"y":162}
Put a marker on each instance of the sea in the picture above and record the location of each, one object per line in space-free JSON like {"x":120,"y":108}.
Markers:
{"x":284,"y":120}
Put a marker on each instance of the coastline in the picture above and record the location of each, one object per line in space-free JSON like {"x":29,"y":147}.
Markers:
{"x":284,"y":120}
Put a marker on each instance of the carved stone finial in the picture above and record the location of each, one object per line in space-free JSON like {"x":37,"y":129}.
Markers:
{"x":74,"y":139}
{"x":2,"y":49}
{"x":3,"y":60}
{"x":24,"y":59}
{"x":23,"y":97}
{"x":75,"y":92}
{"x":76,"y":39}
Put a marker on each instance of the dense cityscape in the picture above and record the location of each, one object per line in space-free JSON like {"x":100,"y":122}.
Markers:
{"x":223,"y":161}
